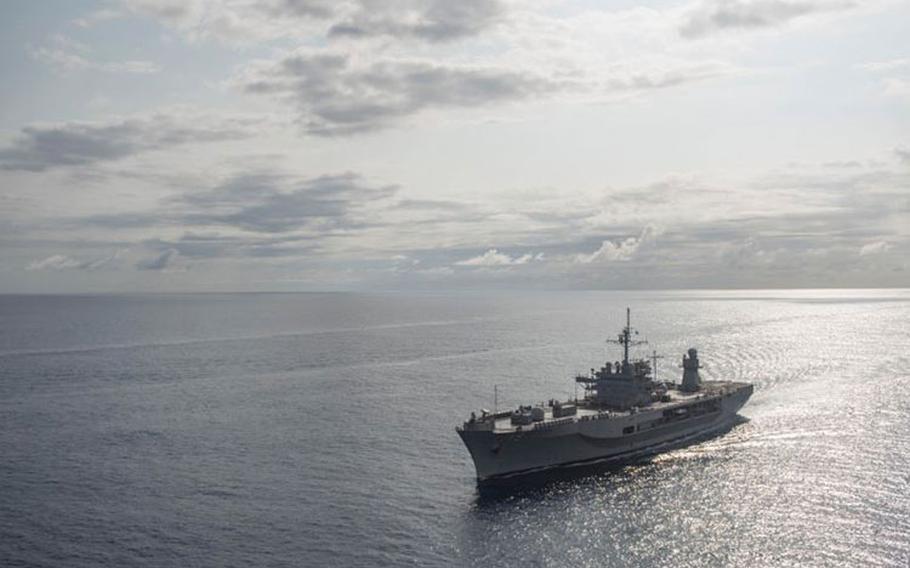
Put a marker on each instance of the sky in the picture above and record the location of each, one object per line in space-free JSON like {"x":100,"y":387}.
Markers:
{"x":283,"y":145}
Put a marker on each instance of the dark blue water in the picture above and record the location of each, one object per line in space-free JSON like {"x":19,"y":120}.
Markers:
{"x":318,"y":429}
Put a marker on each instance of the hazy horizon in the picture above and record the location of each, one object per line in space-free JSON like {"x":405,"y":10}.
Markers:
{"x":836,"y":293}
{"x":315,"y":145}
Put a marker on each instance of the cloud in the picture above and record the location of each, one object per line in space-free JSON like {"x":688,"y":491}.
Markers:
{"x":897,"y":87}
{"x":337,"y":95}
{"x":239,"y":21}
{"x":39,"y":148}
{"x":791,"y":227}
{"x":261,"y":202}
{"x":495,"y":258}
{"x":430,"y":20}
{"x":617,"y":251}
{"x":711,"y":16}
{"x":162,"y":261}
{"x":625,"y":79}
{"x":63,"y":262}
{"x":67,"y":55}
{"x":214,"y":245}
{"x":96,"y":17}
{"x":892,"y":73}
{"x":876,"y":247}
{"x":268,"y":203}
{"x":303,"y":8}
{"x":232,"y":20}
{"x":887,"y":65}
{"x":843,"y":164}
{"x":610,"y":251}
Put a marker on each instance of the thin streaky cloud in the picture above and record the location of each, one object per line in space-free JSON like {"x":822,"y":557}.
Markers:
{"x":42,"y":147}
{"x":712,"y":16}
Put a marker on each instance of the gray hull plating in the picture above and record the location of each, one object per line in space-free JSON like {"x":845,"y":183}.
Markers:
{"x":582,"y":441}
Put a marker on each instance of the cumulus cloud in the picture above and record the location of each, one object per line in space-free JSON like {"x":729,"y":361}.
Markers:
{"x":712,"y":16}
{"x":617,"y":250}
{"x":876,"y":247}
{"x":337,"y":95}
{"x":495,"y":258}
{"x":42,"y":147}
{"x":610,"y":251}
{"x":63,"y":262}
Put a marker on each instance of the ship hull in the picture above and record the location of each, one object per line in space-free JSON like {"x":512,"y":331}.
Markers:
{"x":500,"y":457}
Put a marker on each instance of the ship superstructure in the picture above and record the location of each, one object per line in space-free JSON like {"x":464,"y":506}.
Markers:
{"x":625,"y":413}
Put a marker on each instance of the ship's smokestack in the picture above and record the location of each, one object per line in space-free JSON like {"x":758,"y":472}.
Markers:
{"x":691,"y":380}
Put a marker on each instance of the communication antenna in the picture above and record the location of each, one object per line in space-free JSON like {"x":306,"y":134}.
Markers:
{"x":495,"y":399}
{"x":625,"y":339}
{"x":654,"y":358}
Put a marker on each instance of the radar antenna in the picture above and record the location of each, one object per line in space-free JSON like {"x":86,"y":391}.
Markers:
{"x":625,"y":339}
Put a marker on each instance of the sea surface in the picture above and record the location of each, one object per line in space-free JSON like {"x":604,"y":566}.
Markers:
{"x":318,"y":430}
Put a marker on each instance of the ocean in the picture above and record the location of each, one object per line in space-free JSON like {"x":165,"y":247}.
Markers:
{"x":317,"y":429}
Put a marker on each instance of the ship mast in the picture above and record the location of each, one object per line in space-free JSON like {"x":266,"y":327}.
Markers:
{"x":625,"y":339}
{"x":626,"y":332}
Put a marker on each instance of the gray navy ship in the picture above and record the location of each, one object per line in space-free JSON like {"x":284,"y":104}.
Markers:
{"x":625,"y":414}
